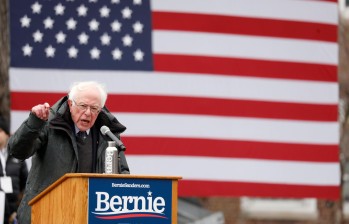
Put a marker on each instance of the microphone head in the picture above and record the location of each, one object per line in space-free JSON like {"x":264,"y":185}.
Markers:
{"x":104,"y":129}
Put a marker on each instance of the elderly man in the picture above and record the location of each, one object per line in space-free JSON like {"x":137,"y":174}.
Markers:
{"x":64,"y":138}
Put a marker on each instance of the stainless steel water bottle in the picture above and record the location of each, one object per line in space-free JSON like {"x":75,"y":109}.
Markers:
{"x":111,"y":158}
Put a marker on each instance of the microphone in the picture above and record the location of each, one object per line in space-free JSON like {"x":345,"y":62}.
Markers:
{"x":106,"y":131}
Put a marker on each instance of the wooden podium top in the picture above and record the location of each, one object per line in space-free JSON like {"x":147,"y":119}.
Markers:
{"x":98,"y":175}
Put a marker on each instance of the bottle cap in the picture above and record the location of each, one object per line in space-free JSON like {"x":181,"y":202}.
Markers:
{"x":111,"y":144}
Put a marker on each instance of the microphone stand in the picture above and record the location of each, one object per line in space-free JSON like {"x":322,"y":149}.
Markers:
{"x":123,"y":163}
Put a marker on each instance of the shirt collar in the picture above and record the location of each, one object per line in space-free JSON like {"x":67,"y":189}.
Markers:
{"x":77,"y":130}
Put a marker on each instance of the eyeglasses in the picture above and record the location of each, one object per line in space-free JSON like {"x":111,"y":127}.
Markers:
{"x":84,"y":107}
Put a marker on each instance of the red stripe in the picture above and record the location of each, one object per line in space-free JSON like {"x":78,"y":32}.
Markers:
{"x":245,"y":67}
{"x":243,"y":26}
{"x":336,"y":1}
{"x":191,"y":105}
{"x":26,"y":100}
{"x":230,"y":149}
{"x":129,"y":216}
{"x":238,"y":189}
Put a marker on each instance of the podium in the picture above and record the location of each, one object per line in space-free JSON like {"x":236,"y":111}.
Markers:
{"x":107,"y":198}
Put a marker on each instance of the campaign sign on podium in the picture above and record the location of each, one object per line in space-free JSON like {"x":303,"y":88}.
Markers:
{"x":125,"y":200}
{"x":81,"y":198}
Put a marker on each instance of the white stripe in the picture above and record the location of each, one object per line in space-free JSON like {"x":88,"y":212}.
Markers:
{"x":244,"y":170}
{"x":214,"y":127}
{"x":301,"y":10}
{"x":172,"y":84}
{"x":241,"y":46}
{"x":229,"y":128}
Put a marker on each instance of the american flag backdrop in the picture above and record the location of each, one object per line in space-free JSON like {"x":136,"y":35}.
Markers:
{"x":239,"y":97}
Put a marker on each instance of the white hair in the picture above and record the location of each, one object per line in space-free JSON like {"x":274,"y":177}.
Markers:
{"x":80,"y":86}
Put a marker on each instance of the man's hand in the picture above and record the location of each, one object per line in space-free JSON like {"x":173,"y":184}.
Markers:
{"x":41,"y":111}
{"x":12,"y":217}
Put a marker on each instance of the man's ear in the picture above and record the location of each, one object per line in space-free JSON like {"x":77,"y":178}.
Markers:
{"x":70,"y":103}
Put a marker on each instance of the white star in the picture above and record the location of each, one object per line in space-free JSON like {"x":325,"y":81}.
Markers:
{"x":149,"y":193}
{"x":137,"y":27}
{"x":93,"y":25}
{"x":71,"y":24}
{"x":104,"y":11}
{"x":115,"y":1}
{"x":60,"y":37}
{"x":73,"y":52}
{"x":48,"y":22}
{"x":25,"y":21}
{"x":82,"y":10}
{"x":115,"y":26}
{"x":38,"y":36}
{"x":83,"y":38}
{"x":59,"y":8}
{"x":127,"y":40}
{"x":95,"y":53}
{"x":137,"y":2}
{"x":138,"y":55}
{"x":126,"y":13}
{"x":50,"y":51}
{"x":36,"y":7}
{"x":105,"y":39}
{"x":27,"y":50}
{"x":117,"y":54}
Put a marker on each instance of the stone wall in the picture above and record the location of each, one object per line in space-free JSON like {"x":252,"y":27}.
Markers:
{"x":4,"y":61}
